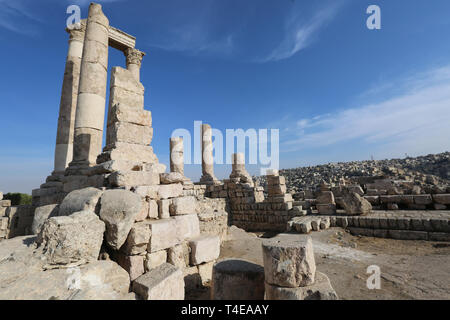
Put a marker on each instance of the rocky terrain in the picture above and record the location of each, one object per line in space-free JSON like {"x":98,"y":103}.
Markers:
{"x":431,"y":170}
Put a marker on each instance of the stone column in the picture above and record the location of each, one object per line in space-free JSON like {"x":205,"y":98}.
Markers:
{"x":207,"y":155}
{"x":238,"y":162}
{"x":90,"y":114}
{"x":134,"y":60}
{"x":177,"y":155}
{"x":238,"y":171}
{"x":68,"y":104}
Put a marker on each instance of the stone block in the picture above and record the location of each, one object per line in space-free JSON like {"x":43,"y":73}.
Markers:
{"x":182,"y":205}
{"x":72,"y":239}
{"x":325,"y":197}
{"x":128,"y":152}
{"x":80,"y":200}
{"x":164,"y":208}
{"x":236,"y":279}
{"x":150,"y":192}
{"x":187,"y":226}
{"x":134,"y":265}
{"x":41,"y":214}
{"x":155,"y":259}
{"x":119,"y":209}
{"x":276,"y":180}
{"x":133,"y":178}
{"x":423,"y":199}
{"x":5,"y":203}
{"x":129,"y":133}
{"x":179,"y":255}
{"x":153,"y":211}
{"x":172,"y":177}
{"x":442,"y":198}
{"x":165,"y":282}
{"x":137,"y":240}
{"x":408,"y":235}
{"x":204,"y":249}
{"x":170,"y":190}
{"x":205,"y":271}
{"x":163,"y":235}
{"x":289,"y":263}
{"x":123,"y":113}
{"x":321,"y":289}
{"x":326,"y":209}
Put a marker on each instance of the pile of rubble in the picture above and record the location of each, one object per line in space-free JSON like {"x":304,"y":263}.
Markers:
{"x":428,"y":172}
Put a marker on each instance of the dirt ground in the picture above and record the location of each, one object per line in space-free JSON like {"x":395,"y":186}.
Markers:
{"x":409,"y":269}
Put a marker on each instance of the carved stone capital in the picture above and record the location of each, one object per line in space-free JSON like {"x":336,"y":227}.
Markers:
{"x":134,"y":56}
{"x":77,"y":31}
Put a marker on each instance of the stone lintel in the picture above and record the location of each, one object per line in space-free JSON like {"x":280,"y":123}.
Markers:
{"x":120,"y":40}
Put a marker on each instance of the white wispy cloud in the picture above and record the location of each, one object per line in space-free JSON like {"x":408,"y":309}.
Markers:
{"x":195,"y":42}
{"x":301,"y":32}
{"x":17,"y":17}
{"x":417,"y":119}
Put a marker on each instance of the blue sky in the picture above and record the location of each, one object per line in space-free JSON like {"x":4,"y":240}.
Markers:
{"x":336,"y":90}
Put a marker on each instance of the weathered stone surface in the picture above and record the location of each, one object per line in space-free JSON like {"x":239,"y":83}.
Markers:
{"x":354,"y":204}
{"x":172,"y":177}
{"x":133,"y":178}
{"x":325,"y":197}
{"x":153,"y":209}
{"x":80,"y":200}
{"x":236,"y":279}
{"x":122,"y":113}
{"x":22,"y":276}
{"x":129,"y":133}
{"x":128,"y":152}
{"x":182,"y":205}
{"x":155,"y":259}
{"x":72,"y":239}
{"x":289,"y":263}
{"x":205,"y":271}
{"x":143,"y":214}
{"x":321,"y":289}
{"x":167,"y":191}
{"x":147,"y":191}
{"x":134,"y":265}
{"x":204,"y":249}
{"x":119,"y":209}
{"x":442,"y":198}
{"x":326,"y":209}
{"x":179,"y":255}
{"x":137,"y":239}
{"x":187,"y":226}
{"x":163,"y":235}
{"x":164,"y":282}
{"x":41,"y":214}
{"x":164,"y":208}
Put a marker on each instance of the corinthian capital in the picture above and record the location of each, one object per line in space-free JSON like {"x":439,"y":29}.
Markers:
{"x":77,"y":31}
{"x":134,"y":56}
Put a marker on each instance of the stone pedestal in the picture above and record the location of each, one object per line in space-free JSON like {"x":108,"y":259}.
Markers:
{"x":239,"y":173}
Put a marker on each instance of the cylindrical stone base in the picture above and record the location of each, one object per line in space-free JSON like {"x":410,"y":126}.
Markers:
{"x":235,"y":279}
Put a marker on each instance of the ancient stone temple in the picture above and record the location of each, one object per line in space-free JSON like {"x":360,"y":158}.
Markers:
{"x":113,"y":213}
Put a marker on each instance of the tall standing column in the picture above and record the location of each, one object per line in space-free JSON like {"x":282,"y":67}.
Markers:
{"x":90,"y":112}
{"x":177,"y":155}
{"x":134,"y":60}
{"x":207,"y":155}
{"x":68,"y":104}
